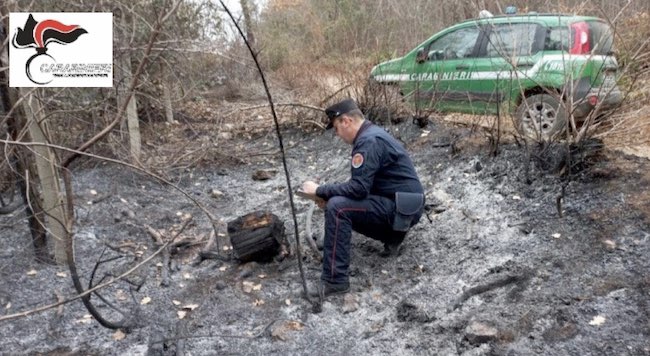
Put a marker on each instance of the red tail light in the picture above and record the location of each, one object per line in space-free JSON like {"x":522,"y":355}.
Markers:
{"x":593,"y":100}
{"x":580,"y":31}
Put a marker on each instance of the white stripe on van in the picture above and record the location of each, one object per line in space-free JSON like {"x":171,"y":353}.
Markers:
{"x":558,"y":59}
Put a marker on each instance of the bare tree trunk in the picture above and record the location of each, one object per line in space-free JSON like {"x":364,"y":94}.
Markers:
{"x":167,"y":95}
{"x":125,"y":74}
{"x":131,"y":110}
{"x":48,"y":175}
{"x":21,"y":164}
{"x":24,"y":168}
{"x":247,"y":10}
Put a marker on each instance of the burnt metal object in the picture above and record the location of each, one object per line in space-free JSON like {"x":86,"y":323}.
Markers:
{"x":256,"y":236}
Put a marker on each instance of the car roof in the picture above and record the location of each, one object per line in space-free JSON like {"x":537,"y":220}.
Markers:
{"x":545,"y":18}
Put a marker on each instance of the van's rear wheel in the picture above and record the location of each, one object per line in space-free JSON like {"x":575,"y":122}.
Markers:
{"x":541,"y":117}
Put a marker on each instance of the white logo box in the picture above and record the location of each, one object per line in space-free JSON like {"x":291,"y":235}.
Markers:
{"x":85,"y":61}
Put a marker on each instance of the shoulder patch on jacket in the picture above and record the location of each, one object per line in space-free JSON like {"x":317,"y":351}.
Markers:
{"x":357,"y":160}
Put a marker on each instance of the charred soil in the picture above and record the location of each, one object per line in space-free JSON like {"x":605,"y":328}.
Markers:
{"x":518,"y":259}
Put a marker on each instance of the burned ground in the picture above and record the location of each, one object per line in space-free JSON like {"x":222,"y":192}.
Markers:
{"x":497,"y":271}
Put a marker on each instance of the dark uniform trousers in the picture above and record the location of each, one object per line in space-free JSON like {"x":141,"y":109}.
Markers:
{"x":372,"y":217}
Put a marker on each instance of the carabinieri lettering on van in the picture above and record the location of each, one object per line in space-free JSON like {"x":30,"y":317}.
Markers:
{"x":437,"y":76}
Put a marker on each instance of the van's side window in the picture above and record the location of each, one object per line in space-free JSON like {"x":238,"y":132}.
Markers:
{"x":454,"y":45}
{"x":512,"y":40}
{"x":558,"y":39}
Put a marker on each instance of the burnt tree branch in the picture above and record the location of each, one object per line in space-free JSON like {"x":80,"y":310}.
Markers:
{"x":281,"y":144}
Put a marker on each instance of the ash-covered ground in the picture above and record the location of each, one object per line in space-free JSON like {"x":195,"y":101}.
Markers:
{"x":497,"y":271}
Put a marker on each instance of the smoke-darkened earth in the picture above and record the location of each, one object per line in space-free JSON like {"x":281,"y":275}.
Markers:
{"x":508,"y":264}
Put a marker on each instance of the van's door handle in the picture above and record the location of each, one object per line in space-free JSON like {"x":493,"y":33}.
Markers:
{"x":462,"y":67}
{"x":524,"y":64}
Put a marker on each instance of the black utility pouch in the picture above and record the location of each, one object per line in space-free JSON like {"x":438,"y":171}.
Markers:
{"x":408,"y":207}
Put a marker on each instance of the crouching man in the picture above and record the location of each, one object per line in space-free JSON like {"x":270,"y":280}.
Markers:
{"x":382,"y":199}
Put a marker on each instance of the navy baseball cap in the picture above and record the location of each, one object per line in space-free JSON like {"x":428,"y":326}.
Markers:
{"x":339,"y":109}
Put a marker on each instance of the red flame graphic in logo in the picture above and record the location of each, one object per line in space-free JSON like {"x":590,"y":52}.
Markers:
{"x":43,"y":26}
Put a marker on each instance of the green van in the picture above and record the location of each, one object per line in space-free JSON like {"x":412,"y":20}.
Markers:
{"x":542,"y":68}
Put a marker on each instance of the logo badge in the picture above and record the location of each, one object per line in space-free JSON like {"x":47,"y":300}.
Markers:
{"x":357,"y":160}
{"x":71,"y":50}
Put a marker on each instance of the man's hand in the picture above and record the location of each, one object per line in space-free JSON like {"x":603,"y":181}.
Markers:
{"x":309,"y":187}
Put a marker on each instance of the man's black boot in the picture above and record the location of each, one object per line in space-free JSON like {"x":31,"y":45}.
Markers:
{"x":391,"y":249}
{"x":324,"y":288}
{"x":393,"y":245}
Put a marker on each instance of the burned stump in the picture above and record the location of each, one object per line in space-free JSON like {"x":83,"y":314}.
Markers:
{"x":257,"y":236}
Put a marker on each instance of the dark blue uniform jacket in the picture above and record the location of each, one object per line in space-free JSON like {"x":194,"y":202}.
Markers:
{"x":386,"y":168}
